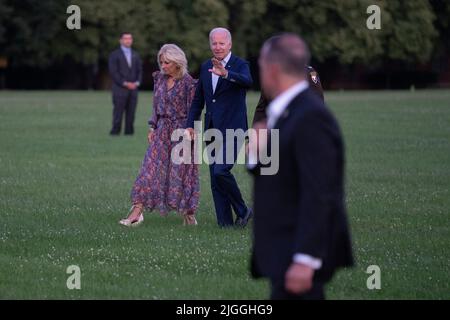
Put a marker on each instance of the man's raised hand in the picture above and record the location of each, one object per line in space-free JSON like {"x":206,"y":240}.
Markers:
{"x":218,"y":68}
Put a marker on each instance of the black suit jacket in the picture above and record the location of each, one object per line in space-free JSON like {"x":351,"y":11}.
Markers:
{"x":301,"y":208}
{"x":121,"y":72}
{"x":314,"y":83}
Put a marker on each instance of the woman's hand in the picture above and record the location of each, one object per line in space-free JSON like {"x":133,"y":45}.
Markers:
{"x":189,"y":134}
{"x":150,"y":135}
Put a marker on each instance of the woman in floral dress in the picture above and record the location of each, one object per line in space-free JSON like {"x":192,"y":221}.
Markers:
{"x":163,"y":185}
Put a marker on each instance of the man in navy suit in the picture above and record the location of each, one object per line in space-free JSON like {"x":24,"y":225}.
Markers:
{"x":223,"y":85}
{"x":125,"y":67}
{"x":301,"y":233}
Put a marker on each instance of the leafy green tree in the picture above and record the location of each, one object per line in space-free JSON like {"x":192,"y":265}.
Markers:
{"x":337,"y":28}
{"x":152,"y":23}
{"x":410,"y":35}
{"x":5,"y":11}
{"x":441,"y":8}
{"x":34,"y":33}
{"x":191,"y":22}
{"x":29,"y":29}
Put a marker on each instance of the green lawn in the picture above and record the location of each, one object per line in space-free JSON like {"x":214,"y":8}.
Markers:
{"x":65,"y":183}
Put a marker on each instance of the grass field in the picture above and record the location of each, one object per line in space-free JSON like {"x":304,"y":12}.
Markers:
{"x":64,"y":184}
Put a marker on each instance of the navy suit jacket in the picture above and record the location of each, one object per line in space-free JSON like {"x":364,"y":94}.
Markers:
{"x":226,"y":107}
{"x":301,"y":209}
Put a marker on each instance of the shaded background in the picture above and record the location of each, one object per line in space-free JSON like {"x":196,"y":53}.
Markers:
{"x":64,"y":182}
{"x":412,"y":49}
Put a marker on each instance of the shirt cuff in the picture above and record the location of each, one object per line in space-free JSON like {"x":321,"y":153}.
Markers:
{"x":307,"y":260}
{"x":138,"y":83}
{"x":251,"y":166}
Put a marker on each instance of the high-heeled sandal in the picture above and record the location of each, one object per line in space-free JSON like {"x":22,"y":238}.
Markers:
{"x":189,"y":220}
{"x":133,"y":223}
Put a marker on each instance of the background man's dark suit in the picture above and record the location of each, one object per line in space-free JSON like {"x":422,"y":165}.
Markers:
{"x":314,"y":83}
{"x":225,"y":109}
{"x":124,"y":100}
{"x":301,"y":208}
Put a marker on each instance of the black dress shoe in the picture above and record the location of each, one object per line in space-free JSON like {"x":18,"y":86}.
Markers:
{"x":242,"y":222}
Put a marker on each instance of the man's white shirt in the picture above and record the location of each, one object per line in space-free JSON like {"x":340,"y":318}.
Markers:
{"x":215,"y":77}
{"x":274,"y":112}
{"x":281,"y":102}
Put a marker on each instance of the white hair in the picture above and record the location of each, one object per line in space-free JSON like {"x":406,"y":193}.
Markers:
{"x":173,"y":53}
{"x":220,"y":30}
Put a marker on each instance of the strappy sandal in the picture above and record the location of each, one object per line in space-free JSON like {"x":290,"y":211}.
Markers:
{"x":189,"y":220}
{"x":133,"y":223}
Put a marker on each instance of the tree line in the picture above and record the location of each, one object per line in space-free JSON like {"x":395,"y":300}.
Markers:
{"x":34,"y":33}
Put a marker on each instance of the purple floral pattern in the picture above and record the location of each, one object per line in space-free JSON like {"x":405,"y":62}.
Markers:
{"x":162,"y":185}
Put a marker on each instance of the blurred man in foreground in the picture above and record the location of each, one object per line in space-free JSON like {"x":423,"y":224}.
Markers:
{"x":301,"y":234}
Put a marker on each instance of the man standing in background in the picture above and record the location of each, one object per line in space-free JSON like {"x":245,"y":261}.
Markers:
{"x":125,"y":67}
{"x":314,"y":83}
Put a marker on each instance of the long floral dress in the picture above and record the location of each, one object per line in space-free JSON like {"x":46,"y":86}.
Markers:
{"x":161,"y":184}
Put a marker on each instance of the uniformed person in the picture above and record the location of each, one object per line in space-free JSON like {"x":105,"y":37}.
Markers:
{"x":314,"y":83}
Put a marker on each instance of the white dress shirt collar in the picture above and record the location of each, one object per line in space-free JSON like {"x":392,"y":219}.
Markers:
{"x":127,"y":52}
{"x":214,"y":77}
{"x":226,"y":59}
{"x":280,"y":103}
{"x":125,"y":49}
